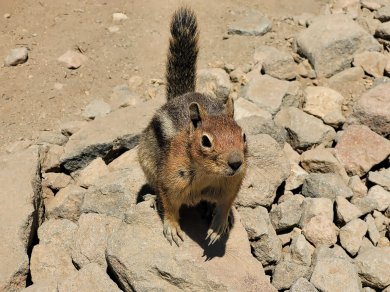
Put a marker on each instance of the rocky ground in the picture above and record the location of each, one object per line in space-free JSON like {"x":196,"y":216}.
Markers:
{"x":314,"y":210}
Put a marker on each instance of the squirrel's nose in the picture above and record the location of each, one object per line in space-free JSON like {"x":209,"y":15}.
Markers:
{"x":235,"y":161}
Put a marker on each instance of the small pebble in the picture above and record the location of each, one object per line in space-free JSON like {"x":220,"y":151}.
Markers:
{"x":119,"y":17}
{"x":16,"y":56}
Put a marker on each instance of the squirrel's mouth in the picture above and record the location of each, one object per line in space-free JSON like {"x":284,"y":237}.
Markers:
{"x":231,"y":172}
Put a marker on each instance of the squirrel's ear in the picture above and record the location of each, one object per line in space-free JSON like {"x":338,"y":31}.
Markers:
{"x":229,"y":107}
{"x":196,"y":114}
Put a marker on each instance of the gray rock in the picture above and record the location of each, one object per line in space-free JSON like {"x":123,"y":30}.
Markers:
{"x":303,"y":285}
{"x":335,"y":274}
{"x":380,"y":197}
{"x":244,"y":108}
{"x":287,"y":273}
{"x":341,"y":39}
{"x":345,"y":211}
{"x":51,"y":137}
{"x":373,"y":109}
{"x":103,"y":136}
{"x":50,"y":158}
{"x":325,"y":185}
{"x":373,"y":265}
{"x":372,"y":4}
{"x":66,"y":204}
{"x":50,"y":262}
{"x":72,"y":59}
{"x":252,"y":24}
{"x":286,"y":238}
{"x":214,"y":82}
{"x":294,"y":95}
{"x":381,"y":221}
{"x":301,"y":250}
{"x":114,"y":194}
{"x":319,"y":230}
{"x":383,"y":31}
{"x":296,"y":178}
{"x":316,"y":206}
{"x":89,"y":278}
{"x":90,"y":240}
{"x":96,"y":108}
{"x":255,"y":125}
{"x":304,"y":130}
{"x":266,"y":91}
{"x":267,"y":247}
{"x":324,"y":253}
{"x":56,"y":181}
{"x":269,"y":169}
{"x":321,"y":160}
{"x":89,"y":175}
{"x":373,"y":63}
{"x":324,"y":103}
{"x":376,"y":199}
{"x":16,"y":56}
{"x":255,"y":221}
{"x":287,"y":214}
{"x":57,"y":232}
{"x":20,"y":214}
{"x":351,"y":235}
{"x":358,"y":188}
{"x":349,"y":83}
{"x":359,"y":149}
{"x":122,"y":96}
{"x":383,"y":13}
{"x":381,"y":177}
{"x":373,"y":232}
{"x":127,"y":160}
{"x":237,"y":75}
{"x":291,"y":154}
{"x":276,"y":63}
{"x":141,"y":258}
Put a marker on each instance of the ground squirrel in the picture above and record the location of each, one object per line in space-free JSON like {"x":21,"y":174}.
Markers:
{"x":192,"y":150}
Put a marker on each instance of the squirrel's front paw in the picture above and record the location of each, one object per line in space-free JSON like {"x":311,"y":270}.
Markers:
{"x":219,"y":226}
{"x":173,"y":232}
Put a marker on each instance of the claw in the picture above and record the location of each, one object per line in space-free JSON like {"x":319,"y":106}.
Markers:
{"x":173,"y":232}
{"x":217,"y":228}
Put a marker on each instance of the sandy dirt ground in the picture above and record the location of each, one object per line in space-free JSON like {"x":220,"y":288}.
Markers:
{"x":31,"y":97}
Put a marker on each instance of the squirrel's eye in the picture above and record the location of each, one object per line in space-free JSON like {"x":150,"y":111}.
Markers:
{"x":206,"y":141}
{"x":244,"y":137}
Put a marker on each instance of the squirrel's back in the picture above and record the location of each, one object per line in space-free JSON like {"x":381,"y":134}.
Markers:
{"x":182,"y":54}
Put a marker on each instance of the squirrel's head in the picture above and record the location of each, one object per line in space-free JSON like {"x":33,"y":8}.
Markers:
{"x":218,"y":145}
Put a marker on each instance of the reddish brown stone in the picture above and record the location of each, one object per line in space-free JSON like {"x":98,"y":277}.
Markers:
{"x":359,"y":149}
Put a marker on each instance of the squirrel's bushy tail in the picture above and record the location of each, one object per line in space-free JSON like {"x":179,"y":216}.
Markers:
{"x":183,"y":51}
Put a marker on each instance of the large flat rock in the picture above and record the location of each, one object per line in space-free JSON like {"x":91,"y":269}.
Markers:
{"x":119,"y":130}
{"x":143,"y":260}
{"x":19,"y":214}
{"x":331,"y":41}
